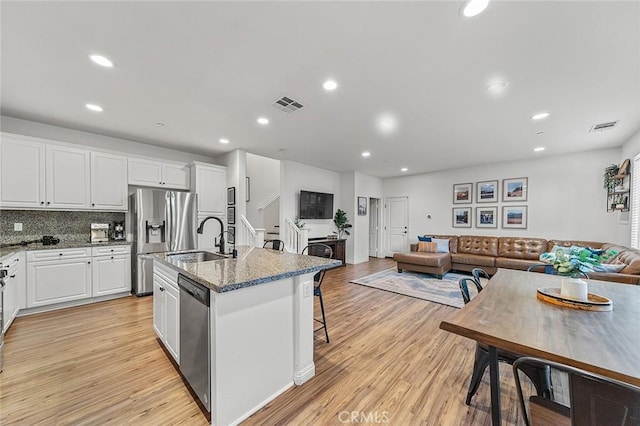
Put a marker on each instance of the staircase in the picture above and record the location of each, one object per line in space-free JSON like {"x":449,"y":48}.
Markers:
{"x":295,"y":239}
{"x":247,"y":235}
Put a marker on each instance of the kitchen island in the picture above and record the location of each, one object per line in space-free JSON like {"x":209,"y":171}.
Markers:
{"x":261,"y":325}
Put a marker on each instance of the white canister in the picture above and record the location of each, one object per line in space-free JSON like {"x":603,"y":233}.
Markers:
{"x":574,"y":288}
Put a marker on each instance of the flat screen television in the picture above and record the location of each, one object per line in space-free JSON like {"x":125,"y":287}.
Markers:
{"x":316,"y":205}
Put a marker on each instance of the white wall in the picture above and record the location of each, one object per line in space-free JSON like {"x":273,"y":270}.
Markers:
{"x":565,"y":201}
{"x":235,"y":161}
{"x":62,"y":134}
{"x":348,"y":203}
{"x":295,"y":177}
{"x":631,"y":148}
{"x":369,"y":187}
{"x":264,"y":174}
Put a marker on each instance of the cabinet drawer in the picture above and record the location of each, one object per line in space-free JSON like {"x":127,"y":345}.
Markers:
{"x":42,"y":255}
{"x":110,"y":250}
{"x":169,"y":275}
{"x":10,"y":260}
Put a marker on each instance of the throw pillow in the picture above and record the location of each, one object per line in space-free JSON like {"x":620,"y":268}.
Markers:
{"x":610,"y":267}
{"x":427,"y":246}
{"x":425,"y":239}
{"x":443,"y":245}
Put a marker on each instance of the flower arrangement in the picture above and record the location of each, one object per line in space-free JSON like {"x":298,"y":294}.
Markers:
{"x":576,"y":261}
{"x":298,"y":223}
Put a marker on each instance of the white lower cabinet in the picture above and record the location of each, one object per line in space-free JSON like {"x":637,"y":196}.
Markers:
{"x":57,"y":276}
{"x":111,"y":274}
{"x":13,"y":294}
{"x":166,"y":311}
{"x":57,"y":281}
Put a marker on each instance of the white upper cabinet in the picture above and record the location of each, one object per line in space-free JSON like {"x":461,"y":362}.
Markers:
{"x":68,"y":178}
{"x":108,"y":182}
{"x":22,"y":173}
{"x":158,"y":174}
{"x":210,"y":183}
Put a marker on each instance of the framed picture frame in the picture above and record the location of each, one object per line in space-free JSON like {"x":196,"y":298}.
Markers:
{"x":231,"y":215}
{"x":515,"y":189}
{"x":231,"y":196}
{"x":514,"y":217}
{"x":486,"y":217}
{"x":461,"y":217}
{"x":248,"y":188}
{"x":362,"y":206}
{"x":487,"y":191}
{"x":231,"y":236}
{"x":462,"y":193}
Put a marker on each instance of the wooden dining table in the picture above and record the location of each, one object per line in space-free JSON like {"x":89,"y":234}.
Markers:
{"x":507,"y":315}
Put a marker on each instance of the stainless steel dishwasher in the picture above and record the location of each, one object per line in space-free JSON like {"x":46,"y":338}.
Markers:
{"x":195,"y":338}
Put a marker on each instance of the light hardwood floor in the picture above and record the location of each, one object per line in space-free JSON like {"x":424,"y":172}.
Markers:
{"x":101,"y":364}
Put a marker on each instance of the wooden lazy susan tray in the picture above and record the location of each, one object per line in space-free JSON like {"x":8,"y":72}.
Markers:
{"x":594,"y":302}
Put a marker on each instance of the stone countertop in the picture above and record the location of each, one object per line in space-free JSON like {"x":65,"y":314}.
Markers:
{"x":253,"y":266}
{"x":61,"y":245}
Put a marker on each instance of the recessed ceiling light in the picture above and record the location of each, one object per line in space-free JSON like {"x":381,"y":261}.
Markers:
{"x":93,"y":107}
{"x":404,"y":169}
{"x":387,"y":123}
{"x":540,"y":116}
{"x":262,"y":120}
{"x":160,"y":124}
{"x":497,"y":87}
{"x":366,"y":154}
{"x":224,"y":140}
{"x":539,"y":149}
{"x":473,"y":7}
{"x":102,"y":61}
{"x":330,"y":85}
{"x":540,"y":133}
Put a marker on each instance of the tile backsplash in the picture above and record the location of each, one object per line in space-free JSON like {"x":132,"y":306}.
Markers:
{"x":67,"y":225}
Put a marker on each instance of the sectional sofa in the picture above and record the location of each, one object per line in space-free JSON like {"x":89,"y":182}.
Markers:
{"x":490,"y":253}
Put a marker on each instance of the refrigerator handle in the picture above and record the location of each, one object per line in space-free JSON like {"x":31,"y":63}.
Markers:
{"x":169,"y":212}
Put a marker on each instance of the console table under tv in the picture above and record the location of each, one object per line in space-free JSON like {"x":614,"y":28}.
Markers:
{"x":338,"y":247}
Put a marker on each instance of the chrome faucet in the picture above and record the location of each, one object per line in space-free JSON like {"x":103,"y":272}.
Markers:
{"x":216,"y":244}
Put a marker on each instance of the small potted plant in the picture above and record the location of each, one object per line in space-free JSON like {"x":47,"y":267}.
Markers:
{"x":342,"y":223}
{"x":609,"y":179}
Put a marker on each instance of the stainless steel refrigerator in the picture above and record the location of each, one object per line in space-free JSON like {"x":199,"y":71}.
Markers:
{"x":161,"y":221}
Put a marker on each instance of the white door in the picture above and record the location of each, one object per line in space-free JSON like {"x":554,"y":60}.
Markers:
{"x":374,"y":226}
{"x":159,"y":322}
{"x":58,"y":281}
{"x":22,"y":173}
{"x":396,"y":225}
{"x":175,"y":176}
{"x":68,"y":178}
{"x":172,"y":321}
{"x":145,"y":172}
{"x":108,"y":182}
{"x":111,"y":274}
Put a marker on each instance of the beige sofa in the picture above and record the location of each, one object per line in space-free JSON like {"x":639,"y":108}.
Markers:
{"x":467,"y":252}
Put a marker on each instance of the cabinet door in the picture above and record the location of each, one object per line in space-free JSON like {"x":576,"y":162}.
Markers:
{"x":111,"y":274}
{"x":172,"y":321}
{"x":68,"y":178}
{"x":159,"y":306}
{"x":145,"y":172}
{"x":211,"y":187}
{"x":108,"y":182}
{"x":58,"y":281}
{"x":22,"y":173}
{"x":175,"y":176}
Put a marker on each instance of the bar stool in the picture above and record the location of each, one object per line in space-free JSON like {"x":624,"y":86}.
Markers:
{"x":274,"y":244}
{"x":320,"y":250}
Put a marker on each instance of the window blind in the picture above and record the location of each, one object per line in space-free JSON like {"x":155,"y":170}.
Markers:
{"x":635,"y":202}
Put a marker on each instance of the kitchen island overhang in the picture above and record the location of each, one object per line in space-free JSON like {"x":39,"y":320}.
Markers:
{"x":261,"y":322}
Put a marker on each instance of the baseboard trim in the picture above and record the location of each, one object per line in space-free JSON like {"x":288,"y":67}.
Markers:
{"x":302,"y":376}
{"x":70,"y":304}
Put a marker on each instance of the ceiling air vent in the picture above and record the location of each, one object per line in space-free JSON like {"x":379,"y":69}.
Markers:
{"x":287,"y":105}
{"x":604,"y":126}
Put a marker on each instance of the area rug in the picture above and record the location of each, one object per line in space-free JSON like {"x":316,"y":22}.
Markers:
{"x":422,"y":286}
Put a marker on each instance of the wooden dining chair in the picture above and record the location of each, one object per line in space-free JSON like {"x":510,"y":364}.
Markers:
{"x":274,"y":244}
{"x":321,"y":250}
{"x":540,"y":376}
{"x":594,"y":400}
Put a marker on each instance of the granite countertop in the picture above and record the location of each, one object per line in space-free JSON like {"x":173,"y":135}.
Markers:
{"x":61,"y":245}
{"x":253,"y":266}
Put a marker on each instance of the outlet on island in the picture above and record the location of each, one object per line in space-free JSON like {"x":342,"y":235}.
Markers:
{"x":17,"y":226}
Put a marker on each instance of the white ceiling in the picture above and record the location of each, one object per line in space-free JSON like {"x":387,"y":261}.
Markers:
{"x":209,"y":69}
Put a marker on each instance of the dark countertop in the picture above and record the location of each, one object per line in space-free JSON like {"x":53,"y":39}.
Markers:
{"x":253,"y":266}
{"x":61,"y":245}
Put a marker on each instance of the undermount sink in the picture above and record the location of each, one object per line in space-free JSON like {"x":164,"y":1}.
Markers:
{"x":195,"y":257}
